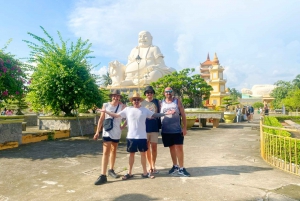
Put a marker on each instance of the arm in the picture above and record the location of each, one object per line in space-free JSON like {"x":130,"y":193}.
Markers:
{"x":183,"y":116}
{"x":115,"y":115}
{"x":155,"y":115}
{"x":100,"y":123}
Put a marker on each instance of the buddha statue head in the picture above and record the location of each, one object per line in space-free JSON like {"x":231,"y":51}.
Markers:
{"x":145,"y":39}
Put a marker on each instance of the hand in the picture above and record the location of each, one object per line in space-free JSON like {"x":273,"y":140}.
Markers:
{"x":170,"y":112}
{"x":96,"y":136}
{"x":184,"y":132}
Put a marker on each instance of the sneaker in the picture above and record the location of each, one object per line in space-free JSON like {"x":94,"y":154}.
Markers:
{"x":101,"y":180}
{"x":112,"y":173}
{"x":183,"y":172}
{"x":173,"y":170}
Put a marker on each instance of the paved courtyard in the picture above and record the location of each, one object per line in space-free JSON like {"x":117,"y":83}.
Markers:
{"x":225,"y":164}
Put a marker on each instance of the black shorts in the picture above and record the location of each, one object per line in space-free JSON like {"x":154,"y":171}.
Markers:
{"x":170,"y":139}
{"x":135,"y":145}
{"x":108,"y":139}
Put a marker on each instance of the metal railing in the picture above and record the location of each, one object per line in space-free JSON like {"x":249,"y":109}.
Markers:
{"x":279,"y":151}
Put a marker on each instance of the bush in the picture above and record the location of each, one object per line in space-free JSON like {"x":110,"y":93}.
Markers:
{"x":62,"y":81}
{"x":281,"y":144}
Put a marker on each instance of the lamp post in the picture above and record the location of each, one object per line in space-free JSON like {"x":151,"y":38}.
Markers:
{"x":138,"y":61}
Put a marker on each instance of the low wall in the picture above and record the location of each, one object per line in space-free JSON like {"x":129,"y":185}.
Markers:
{"x":11,"y":131}
{"x":68,"y":123}
{"x":31,"y":119}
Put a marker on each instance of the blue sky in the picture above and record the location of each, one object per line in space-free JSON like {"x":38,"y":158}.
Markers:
{"x":257,"y":42}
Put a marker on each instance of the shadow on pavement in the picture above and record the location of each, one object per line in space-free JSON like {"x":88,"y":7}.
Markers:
{"x":70,"y":147}
{"x":217,"y":170}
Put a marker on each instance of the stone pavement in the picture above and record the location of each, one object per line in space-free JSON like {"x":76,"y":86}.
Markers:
{"x":225,"y":164}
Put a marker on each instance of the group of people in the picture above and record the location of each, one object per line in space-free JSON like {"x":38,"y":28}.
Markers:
{"x":144,"y":119}
{"x":247,"y":111}
{"x":7,"y":112}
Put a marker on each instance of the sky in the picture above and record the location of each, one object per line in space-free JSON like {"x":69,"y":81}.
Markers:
{"x":257,"y":42}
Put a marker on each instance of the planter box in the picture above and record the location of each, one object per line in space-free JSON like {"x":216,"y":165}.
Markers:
{"x":36,"y":137}
{"x":8,"y":145}
{"x":61,"y":134}
{"x":74,"y":124}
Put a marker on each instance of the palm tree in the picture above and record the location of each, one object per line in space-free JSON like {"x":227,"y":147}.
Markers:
{"x":296,"y":81}
{"x":105,"y":79}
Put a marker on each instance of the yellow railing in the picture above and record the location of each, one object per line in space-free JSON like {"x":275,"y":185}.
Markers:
{"x":279,"y":151}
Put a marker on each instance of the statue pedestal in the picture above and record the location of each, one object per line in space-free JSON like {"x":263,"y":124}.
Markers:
{"x":129,"y":90}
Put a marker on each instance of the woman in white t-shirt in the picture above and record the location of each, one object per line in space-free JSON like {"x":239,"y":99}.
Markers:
{"x":110,"y":138}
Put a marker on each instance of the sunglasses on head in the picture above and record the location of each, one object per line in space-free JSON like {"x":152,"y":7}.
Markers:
{"x":136,"y":99}
{"x":168,"y":91}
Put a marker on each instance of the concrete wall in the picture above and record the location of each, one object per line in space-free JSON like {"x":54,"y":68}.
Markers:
{"x":31,"y":119}
{"x":11,"y":131}
{"x":86,"y":124}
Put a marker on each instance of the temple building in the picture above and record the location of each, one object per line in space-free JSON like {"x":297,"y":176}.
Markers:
{"x":212,"y":73}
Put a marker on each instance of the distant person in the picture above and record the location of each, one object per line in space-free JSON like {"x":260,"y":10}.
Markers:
{"x":3,"y":112}
{"x":110,"y":138}
{"x":248,"y":113}
{"x":152,"y":127}
{"x":9,"y":112}
{"x":238,"y":114}
{"x":172,"y":133}
{"x":266,"y":110}
{"x":137,"y":136}
{"x":251,"y":112}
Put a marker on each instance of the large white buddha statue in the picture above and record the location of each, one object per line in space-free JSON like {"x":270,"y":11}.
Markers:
{"x":150,"y":68}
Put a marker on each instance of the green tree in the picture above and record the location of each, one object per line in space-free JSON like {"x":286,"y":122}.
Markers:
{"x":105,"y":79}
{"x":292,"y":102}
{"x":235,"y":94}
{"x":296,"y":81}
{"x":61,"y":80}
{"x":191,"y":89}
{"x":227,"y":102}
{"x":280,"y":92}
{"x":258,"y":105}
{"x":13,"y":77}
{"x":16,"y":104}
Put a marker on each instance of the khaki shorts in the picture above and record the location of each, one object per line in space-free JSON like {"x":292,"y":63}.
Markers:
{"x":152,"y":137}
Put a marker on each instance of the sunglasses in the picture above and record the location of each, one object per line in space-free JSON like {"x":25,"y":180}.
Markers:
{"x":149,"y":92}
{"x":169,"y":91}
{"x":136,"y":99}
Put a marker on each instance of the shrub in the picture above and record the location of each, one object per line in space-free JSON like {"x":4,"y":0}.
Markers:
{"x":62,"y":81}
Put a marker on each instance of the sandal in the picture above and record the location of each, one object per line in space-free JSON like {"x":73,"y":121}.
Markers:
{"x":127,"y":176}
{"x":155,"y":171}
{"x":148,"y":176}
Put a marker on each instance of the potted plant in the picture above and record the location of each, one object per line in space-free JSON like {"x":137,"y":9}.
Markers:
{"x":229,"y":114}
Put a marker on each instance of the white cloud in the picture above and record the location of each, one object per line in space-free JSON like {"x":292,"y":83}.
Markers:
{"x":253,"y":39}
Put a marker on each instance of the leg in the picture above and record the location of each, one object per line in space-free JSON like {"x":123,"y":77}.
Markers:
{"x":148,"y":154}
{"x":105,"y":156}
{"x":173,"y":154}
{"x":131,"y":161}
{"x":154,"y":154}
{"x":179,"y":154}
{"x":143,"y":162}
{"x":113,"y":154}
